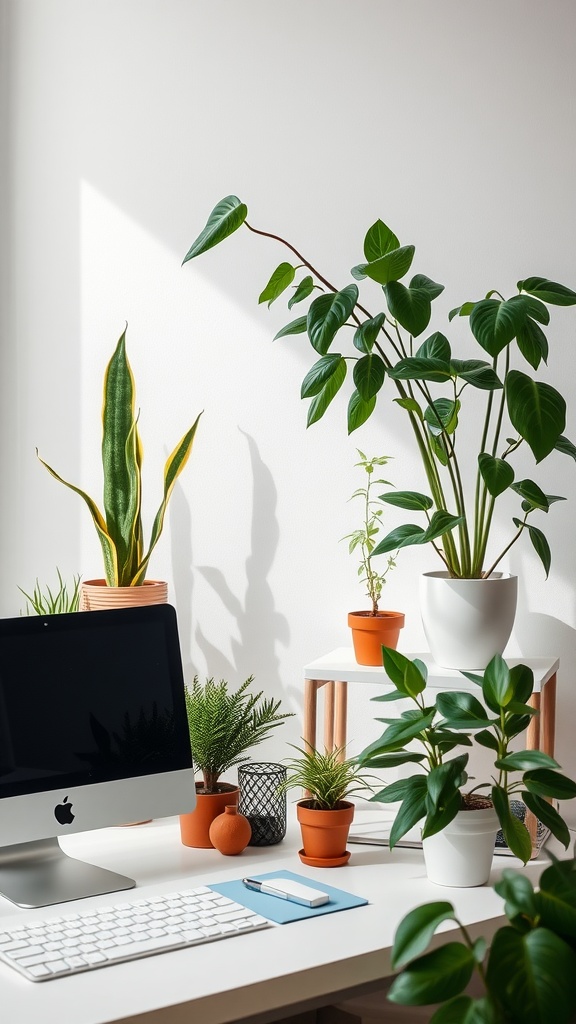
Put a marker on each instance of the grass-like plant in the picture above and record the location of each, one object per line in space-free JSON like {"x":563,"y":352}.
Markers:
{"x":119,"y":528}
{"x":363,"y":540}
{"x":224,"y":725}
{"x":328,"y":777}
{"x":52,"y":602}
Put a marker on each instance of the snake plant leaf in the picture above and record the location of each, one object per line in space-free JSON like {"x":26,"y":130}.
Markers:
{"x":415,"y":931}
{"x":411,"y":307}
{"x":318,"y":374}
{"x":327,"y":314}
{"x":108,"y":549}
{"x":225,"y":218}
{"x":280,"y":280}
{"x":494,"y":323}
{"x":359,"y":410}
{"x":119,"y":454}
{"x":173,"y":467}
{"x":549,"y":291}
{"x":537,"y":411}
{"x":390,"y":267}
{"x":379,"y":240}
{"x":297,"y":326}
{"x":368,"y":374}
{"x":303,"y":290}
{"x":497,"y":474}
{"x":330,"y":389}
{"x":434,"y":977}
{"x":365,"y":335}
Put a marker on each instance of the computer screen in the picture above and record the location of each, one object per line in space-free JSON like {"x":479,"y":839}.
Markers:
{"x":93,"y":733}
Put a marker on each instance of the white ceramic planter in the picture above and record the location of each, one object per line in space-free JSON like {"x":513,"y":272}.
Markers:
{"x":461,"y":855}
{"x":467,"y":622}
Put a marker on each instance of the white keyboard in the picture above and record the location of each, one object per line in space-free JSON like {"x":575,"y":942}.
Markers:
{"x":83,"y":941}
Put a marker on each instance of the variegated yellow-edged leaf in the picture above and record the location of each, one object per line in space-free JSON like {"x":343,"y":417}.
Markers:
{"x":174,"y":465}
{"x":119,"y":461}
{"x":135,"y":545}
{"x":108,"y":549}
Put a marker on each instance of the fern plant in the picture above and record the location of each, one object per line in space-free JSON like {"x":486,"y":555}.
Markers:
{"x":48,"y":602}
{"x":224,"y":725}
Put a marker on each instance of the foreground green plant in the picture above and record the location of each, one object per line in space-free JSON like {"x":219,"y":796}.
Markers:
{"x":119,"y":529}
{"x":434,"y":795}
{"x":529,"y":974}
{"x":48,"y":602}
{"x":364,"y":538}
{"x":328,"y":777}
{"x":224,"y":725}
{"x":518,"y":410}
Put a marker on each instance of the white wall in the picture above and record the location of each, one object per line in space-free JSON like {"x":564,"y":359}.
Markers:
{"x":126,"y":121}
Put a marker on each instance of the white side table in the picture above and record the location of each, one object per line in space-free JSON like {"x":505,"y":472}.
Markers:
{"x":338,"y":668}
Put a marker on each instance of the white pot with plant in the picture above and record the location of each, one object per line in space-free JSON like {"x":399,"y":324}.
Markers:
{"x":511,"y":409}
{"x":375,"y":627}
{"x":452,"y":817}
{"x":119,"y":527}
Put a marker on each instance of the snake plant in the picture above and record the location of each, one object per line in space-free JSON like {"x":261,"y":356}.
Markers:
{"x":120,"y":527}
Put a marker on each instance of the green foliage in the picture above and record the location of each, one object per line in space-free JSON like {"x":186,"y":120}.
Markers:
{"x":119,"y":529}
{"x":224,"y":725}
{"x":328,"y":777}
{"x":48,"y":602}
{"x":511,"y":409}
{"x":364,"y":539}
{"x":434,"y":795}
{"x":529,"y":973}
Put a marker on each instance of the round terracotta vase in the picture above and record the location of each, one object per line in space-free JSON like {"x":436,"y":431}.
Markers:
{"x":467,"y":622}
{"x":230,"y":832}
{"x":96,"y":595}
{"x":324,"y":834}
{"x":195,"y":826}
{"x":370,"y":632}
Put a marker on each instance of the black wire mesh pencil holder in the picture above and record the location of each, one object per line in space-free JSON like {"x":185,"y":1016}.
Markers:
{"x":261,"y":803}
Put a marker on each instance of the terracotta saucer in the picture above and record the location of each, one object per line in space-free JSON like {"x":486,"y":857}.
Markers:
{"x":324,"y":862}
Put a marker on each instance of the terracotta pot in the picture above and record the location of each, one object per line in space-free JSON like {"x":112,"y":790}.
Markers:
{"x":195,"y":826}
{"x":96,"y":595}
{"x":324,"y":833}
{"x":230,"y":832}
{"x":370,"y":632}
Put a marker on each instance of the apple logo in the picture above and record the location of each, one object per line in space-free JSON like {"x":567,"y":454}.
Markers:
{"x":63,"y":812}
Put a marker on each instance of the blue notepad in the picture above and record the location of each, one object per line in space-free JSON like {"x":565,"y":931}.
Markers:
{"x":283,"y":911}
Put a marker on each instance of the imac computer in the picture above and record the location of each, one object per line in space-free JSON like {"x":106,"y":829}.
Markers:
{"x":93,"y":733}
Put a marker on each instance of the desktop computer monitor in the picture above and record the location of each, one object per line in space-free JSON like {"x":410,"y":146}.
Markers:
{"x":93,"y":733}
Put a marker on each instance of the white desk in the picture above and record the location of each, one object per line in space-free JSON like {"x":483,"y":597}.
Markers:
{"x":259,"y":977}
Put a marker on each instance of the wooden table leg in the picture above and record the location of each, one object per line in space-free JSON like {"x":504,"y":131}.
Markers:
{"x":548,"y":717}
{"x":329,"y":716}
{"x":310,"y":706}
{"x":340,"y":716}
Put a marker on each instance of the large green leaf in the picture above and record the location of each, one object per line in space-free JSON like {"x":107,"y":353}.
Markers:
{"x":411,"y":811}
{"x":330,"y":389}
{"x":465,"y":1010}
{"x":522,"y":760}
{"x":402,"y":730}
{"x":411,"y":307}
{"x":518,"y":892}
{"x":414,"y":368}
{"x":120,"y":453}
{"x":477,"y":373}
{"x":303,"y":290}
{"x":532,"y":494}
{"x":497,"y":474}
{"x":537,"y":411}
{"x":297,"y":326}
{"x":225,"y":218}
{"x":522,"y":680}
{"x":366,"y":334}
{"x":369,"y":375}
{"x":514,"y":831}
{"x":532,"y":342}
{"x":281,"y":280}
{"x":390,"y":267}
{"x":548,"y":291}
{"x":327,"y":314}
{"x":462,"y":710}
{"x":318,"y":374}
{"x":434,"y":977}
{"x":548,"y":815}
{"x":548,"y":783}
{"x":566,"y":447}
{"x":359,"y":410}
{"x":533,"y":976}
{"x":415,"y":931}
{"x":557,"y":897}
{"x":442,"y":416}
{"x":412,"y":500}
{"x":432,"y":287}
{"x":497,"y":687}
{"x":379,"y":240}
{"x":541,"y":546}
{"x":494,"y":323}
{"x":402,"y":537}
{"x":436,"y":346}
{"x":399,"y":668}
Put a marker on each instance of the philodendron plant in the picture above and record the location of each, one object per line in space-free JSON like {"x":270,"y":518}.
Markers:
{"x":119,"y":528}
{"x":438,"y":726}
{"x":516,"y":410}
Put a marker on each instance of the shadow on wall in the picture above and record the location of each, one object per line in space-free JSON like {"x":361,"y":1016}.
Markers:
{"x":259,"y":626}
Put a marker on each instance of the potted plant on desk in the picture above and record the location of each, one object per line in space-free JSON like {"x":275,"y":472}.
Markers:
{"x":374,"y":628}
{"x":458,"y":825}
{"x":529,"y":972}
{"x":434,"y":385}
{"x":119,"y":527}
{"x":325,"y":814}
{"x":223,"y":726}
